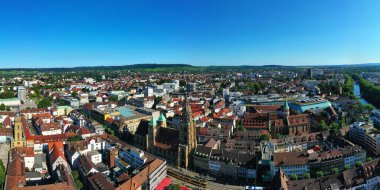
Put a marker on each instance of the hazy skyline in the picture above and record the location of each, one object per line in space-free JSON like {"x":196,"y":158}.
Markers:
{"x":93,"y":33}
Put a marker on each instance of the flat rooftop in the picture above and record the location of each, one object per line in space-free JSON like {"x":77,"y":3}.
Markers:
{"x":126,"y":112}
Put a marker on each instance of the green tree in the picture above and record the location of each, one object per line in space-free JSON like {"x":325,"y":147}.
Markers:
{"x":358,"y":163}
{"x":73,"y":94}
{"x":157,"y":99}
{"x":85,"y":90}
{"x":306,"y":176}
{"x":368,"y":90}
{"x":334,"y":170}
{"x":277,"y":136}
{"x":8,"y":108}
{"x":77,"y":180}
{"x":74,"y":138}
{"x":44,"y":103}
{"x":110,"y":131}
{"x":323,"y":126}
{"x":239,"y":126}
{"x":7,"y":94}
{"x":369,"y":159}
{"x":319,"y":173}
{"x":265,"y":137}
{"x":2,"y":107}
{"x":335,"y":127}
{"x":2,"y":174}
{"x":347,"y":167}
{"x":174,"y":187}
{"x":113,"y":98}
{"x":293,"y":177}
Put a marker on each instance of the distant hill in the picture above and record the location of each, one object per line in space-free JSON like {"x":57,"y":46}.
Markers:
{"x":122,"y":67}
{"x":155,"y":67}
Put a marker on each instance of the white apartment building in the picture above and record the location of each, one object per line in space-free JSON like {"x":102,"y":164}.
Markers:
{"x":366,"y":135}
{"x":134,"y":157}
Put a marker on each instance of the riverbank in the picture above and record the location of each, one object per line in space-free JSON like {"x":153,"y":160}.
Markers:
{"x":358,"y":94}
{"x":367,"y":92}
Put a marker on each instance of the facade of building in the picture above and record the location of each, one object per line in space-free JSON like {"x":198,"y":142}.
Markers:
{"x":303,"y":162}
{"x":221,"y":162}
{"x":21,"y":93}
{"x":133,"y":156}
{"x":277,"y":120}
{"x":18,"y":139}
{"x":365,"y":135}
{"x":179,"y":148}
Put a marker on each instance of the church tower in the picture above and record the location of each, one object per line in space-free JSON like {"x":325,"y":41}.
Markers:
{"x":18,"y":139}
{"x":161,"y":121}
{"x":187,"y":137}
{"x":286,"y":109}
{"x":152,"y":129}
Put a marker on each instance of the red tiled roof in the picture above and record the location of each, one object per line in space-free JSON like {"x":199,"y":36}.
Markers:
{"x":266,"y":108}
{"x":203,"y":130}
{"x":43,"y":115}
{"x":205,"y":119}
{"x":83,"y":131}
{"x":109,"y":120}
{"x":56,"y":150}
{"x":7,"y":122}
{"x":5,"y":131}
{"x":48,"y":138}
{"x":298,"y":119}
{"x":8,"y":113}
{"x":197,"y":114}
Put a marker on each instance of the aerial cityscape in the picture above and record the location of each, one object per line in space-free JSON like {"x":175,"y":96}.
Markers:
{"x":190,"y":95}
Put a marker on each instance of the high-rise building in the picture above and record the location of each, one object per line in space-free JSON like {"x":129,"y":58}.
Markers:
{"x":112,"y":153}
{"x":21,"y":93}
{"x":310,"y":72}
{"x":267,"y":161}
{"x":148,"y":91}
{"x":191,"y":87}
{"x":226,"y":93}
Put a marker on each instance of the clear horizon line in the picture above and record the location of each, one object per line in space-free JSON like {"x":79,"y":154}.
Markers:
{"x":220,"y":65}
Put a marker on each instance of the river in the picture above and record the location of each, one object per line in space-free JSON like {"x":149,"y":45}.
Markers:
{"x":358,"y":94}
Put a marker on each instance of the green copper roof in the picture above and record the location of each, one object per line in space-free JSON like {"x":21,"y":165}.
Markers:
{"x":152,"y":122}
{"x":161,"y":118}
{"x":286,"y":105}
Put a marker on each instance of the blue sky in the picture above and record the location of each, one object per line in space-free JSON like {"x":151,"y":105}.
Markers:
{"x":198,"y":32}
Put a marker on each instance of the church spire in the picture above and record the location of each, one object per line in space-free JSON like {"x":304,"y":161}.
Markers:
{"x":286,"y":108}
{"x":187,"y":114}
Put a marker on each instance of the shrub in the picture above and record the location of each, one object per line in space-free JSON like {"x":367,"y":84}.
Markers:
{"x":293,"y":177}
{"x":319,"y":173}
{"x":334,"y":170}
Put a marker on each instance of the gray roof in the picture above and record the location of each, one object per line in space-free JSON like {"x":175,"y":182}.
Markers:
{"x":33,"y":175}
{"x":38,"y":165}
{"x":101,"y":167}
{"x":92,"y":153}
{"x":39,"y":158}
